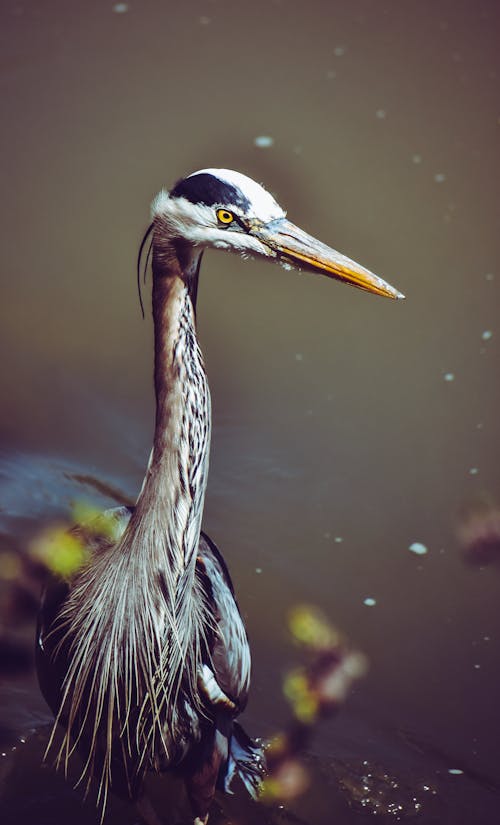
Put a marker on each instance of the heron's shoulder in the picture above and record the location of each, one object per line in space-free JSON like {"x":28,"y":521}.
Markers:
{"x":118,"y":518}
{"x":212,"y":560}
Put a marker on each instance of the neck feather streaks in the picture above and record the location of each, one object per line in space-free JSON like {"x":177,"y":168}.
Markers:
{"x":135,"y":621}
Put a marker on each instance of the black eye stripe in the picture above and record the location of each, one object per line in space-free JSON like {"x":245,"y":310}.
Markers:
{"x":241,"y":223}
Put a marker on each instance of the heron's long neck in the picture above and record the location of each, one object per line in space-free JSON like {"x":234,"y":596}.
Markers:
{"x":170,"y":505}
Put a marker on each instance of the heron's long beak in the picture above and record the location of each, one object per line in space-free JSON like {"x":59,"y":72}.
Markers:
{"x":294,"y":246}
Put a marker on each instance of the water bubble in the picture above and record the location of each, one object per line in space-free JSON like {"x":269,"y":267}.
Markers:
{"x":473,"y":471}
{"x":416,"y":158}
{"x":439,"y":177}
{"x":486,"y":335}
{"x":263,"y":141}
{"x":455,"y":771}
{"x":370,"y":602}
{"x":449,"y":376}
{"x":120,"y":8}
{"x":418,"y":548}
{"x":339,"y":51}
{"x":381,"y":114}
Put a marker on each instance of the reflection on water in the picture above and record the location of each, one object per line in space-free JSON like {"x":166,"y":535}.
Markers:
{"x":370,"y":789}
{"x":346,"y":429}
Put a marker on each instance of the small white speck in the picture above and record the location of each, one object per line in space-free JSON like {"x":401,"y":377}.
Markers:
{"x":339,"y":51}
{"x":416,"y":158}
{"x":489,"y":276}
{"x":258,"y":569}
{"x":381,"y":114}
{"x":477,"y":667}
{"x":449,"y":376}
{"x":369,"y":602}
{"x":439,"y":177}
{"x":455,"y":771}
{"x":338,"y":539}
{"x":299,"y":356}
{"x":486,"y":638}
{"x":204,"y":21}
{"x":479,"y":425}
{"x":418,"y":548}
{"x":487,"y":335}
{"x":120,"y":8}
{"x":22,"y":740}
{"x":473,"y":471}
{"x":263,"y":141}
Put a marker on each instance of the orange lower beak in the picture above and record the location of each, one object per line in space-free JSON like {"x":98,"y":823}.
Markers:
{"x":295,"y":247}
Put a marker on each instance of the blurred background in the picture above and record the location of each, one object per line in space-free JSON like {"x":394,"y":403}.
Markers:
{"x":354,"y":462}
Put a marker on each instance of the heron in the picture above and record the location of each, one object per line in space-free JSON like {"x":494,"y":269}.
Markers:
{"x":142,"y":655}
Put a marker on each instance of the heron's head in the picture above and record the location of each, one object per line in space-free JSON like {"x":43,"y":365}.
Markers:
{"x":226,"y":210}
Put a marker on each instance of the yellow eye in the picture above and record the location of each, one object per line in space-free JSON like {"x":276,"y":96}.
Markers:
{"x":224,"y":216}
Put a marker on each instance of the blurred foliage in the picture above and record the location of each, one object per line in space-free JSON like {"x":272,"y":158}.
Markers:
{"x":57,"y":550}
{"x":309,"y":627}
{"x":62,"y":552}
{"x":478,"y":530}
{"x":314,"y":691}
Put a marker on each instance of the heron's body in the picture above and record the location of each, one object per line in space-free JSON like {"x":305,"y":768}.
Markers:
{"x":208,"y":738}
{"x":143,"y":655}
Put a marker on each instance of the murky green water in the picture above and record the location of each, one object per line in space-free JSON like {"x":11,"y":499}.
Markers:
{"x":346,"y":427}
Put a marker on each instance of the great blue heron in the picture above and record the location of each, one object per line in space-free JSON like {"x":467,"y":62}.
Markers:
{"x":143,"y":655}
